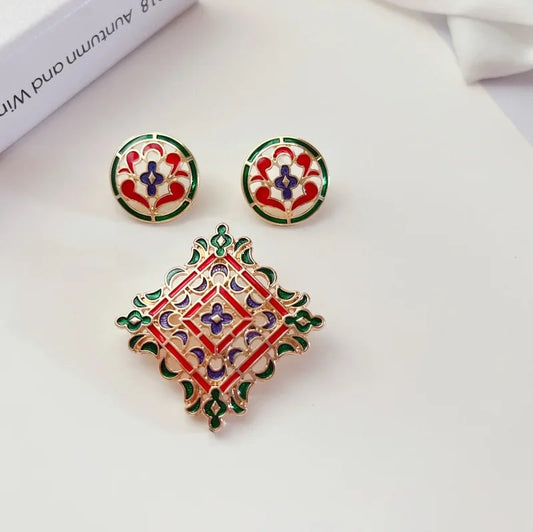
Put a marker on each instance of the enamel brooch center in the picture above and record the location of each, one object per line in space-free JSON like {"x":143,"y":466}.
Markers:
{"x":218,"y":325}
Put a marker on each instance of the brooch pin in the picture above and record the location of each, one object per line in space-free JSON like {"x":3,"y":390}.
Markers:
{"x":219,"y":324}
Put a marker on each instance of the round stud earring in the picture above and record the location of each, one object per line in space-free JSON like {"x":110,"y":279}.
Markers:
{"x":154,"y":177}
{"x":285,"y":180}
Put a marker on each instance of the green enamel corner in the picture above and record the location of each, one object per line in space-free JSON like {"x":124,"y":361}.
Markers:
{"x":165,"y":372}
{"x":195,"y":259}
{"x":138,"y":303}
{"x":215,"y":417}
{"x":247,"y":257}
{"x":172,"y":273}
{"x":285,"y":348}
{"x":152,"y":296}
{"x":269,"y":371}
{"x":135,"y":340}
{"x":302,"y":341}
{"x":195,"y":407}
{"x":241,"y":242}
{"x":285,"y":295}
{"x":270,"y":274}
{"x":302,"y":301}
{"x":304,"y":321}
{"x":244,"y":388}
{"x":202,"y":242}
{"x":133,"y":321}
{"x":150,"y":347}
{"x":236,"y":408}
{"x":188,"y":389}
{"x":227,"y":240}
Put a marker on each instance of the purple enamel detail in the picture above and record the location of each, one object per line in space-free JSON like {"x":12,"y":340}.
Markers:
{"x":233,"y":354}
{"x":184,"y":303}
{"x":219,"y":268}
{"x":202,"y":286}
{"x":163,"y":320}
{"x":216,"y":374}
{"x":251,"y":335}
{"x":182,"y":335}
{"x":272,"y":320}
{"x":234,"y":286}
{"x":217,"y":318}
{"x":251,"y":303}
{"x":151,"y":185}
{"x":200,"y":355}
{"x":286,"y":182}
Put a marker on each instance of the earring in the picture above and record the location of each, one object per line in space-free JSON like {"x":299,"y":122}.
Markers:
{"x":154,"y":177}
{"x":285,"y":180}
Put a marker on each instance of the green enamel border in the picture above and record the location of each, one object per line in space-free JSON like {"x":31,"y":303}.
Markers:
{"x":170,"y":140}
{"x":259,"y":148}
{"x":138,"y":215}
{"x":326,"y":178}
{"x":173,"y":214}
{"x":194,"y":178}
{"x":309,"y":213}
{"x":280,"y":221}
{"x":323,"y":191}
{"x":304,"y":144}
{"x":245,"y":174}
{"x":148,"y":136}
{"x":113,"y":175}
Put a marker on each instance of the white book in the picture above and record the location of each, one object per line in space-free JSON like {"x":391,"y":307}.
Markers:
{"x":51,"y":49}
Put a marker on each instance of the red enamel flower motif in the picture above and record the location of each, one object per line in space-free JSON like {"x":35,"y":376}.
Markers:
{"x":285,"y":180}
{"x":154,"y":177}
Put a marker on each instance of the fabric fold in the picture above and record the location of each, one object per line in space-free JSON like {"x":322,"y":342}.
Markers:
{"x":491,"y":38}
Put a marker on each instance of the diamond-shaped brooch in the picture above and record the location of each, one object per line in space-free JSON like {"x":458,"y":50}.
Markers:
{"x":219,"y":324}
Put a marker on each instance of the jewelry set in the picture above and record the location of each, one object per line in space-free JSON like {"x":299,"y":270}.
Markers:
{"x":220,"y":322}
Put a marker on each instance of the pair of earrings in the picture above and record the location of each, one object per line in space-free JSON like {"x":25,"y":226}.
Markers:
{"x":155,"y":178}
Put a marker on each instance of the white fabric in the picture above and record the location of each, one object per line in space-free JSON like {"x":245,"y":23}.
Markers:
{"x":492,"y":38}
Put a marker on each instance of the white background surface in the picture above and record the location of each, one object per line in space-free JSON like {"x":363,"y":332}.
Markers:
{"x":514,"y":94}
{"x":411,"y":411}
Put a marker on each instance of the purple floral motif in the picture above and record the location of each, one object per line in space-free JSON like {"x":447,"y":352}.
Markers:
{"x":158,"y":178}
{"x":217,"y":318}
{"x":286,"y":182}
